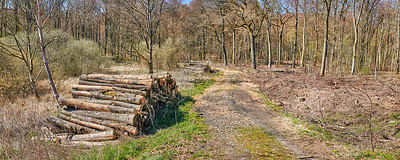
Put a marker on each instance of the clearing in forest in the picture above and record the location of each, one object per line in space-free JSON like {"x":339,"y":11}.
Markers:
{"x":242,"y":127}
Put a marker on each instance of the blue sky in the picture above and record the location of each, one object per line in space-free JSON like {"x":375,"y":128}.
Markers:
{"x":186,"y":1}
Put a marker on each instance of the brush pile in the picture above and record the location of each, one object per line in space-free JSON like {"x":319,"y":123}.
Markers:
{"x":103,"y":106}
{"x":198,"y":67}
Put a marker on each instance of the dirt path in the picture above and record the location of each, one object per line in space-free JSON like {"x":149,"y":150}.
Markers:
{"x":232,"y":103}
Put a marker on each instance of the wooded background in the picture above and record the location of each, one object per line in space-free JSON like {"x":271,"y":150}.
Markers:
{"x":339,"y":37}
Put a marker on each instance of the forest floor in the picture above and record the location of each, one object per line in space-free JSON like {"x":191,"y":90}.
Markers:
{"x":242,"y":127}
{"x":345,"y":117}
{"x":271,"y":113}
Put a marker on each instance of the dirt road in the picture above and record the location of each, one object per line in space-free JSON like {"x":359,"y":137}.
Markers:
{"x":232,"y":103}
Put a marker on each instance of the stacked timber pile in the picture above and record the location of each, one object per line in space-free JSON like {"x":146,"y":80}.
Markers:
{"x":104,"y":106}
{"x":198,"y":67}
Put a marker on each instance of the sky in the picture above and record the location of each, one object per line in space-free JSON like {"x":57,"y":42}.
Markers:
{"x":186,"y":1}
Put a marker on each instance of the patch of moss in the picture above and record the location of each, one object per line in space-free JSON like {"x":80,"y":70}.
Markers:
{"x":262,"y":145}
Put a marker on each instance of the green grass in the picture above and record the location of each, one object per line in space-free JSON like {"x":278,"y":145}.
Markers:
{"x":312,"y":130}
{"x":375,"y":155}
{"x":179,"y":129}
{"x":269,"y":104}
{"x":262,"y":145}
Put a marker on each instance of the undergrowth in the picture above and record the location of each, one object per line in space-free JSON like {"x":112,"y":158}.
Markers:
{"x":183,"y":129}
{"x":313,"y":130}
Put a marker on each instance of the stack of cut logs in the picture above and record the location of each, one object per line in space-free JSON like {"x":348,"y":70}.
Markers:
{"x":198,"y":67}
{"x":106,"y":105}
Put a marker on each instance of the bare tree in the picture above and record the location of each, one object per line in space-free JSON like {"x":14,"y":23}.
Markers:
{"x":398,"y":39}
{"x":40,"y":25}
{"x":267,"y":5}
{"x":356,"y":22}
{"x":221,"y":4}
{"x":305,"y":43}
{"x":325,"y":51}
{"x":146,"y":16}
{"x":295,"y":33}
{"x":22,"y":47}
{"x":251,"y":17}
{"x":283,"y":17}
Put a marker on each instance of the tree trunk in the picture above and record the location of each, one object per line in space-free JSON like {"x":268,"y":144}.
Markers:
{"x":295,"y":36}
{"x":398,"y":39}
{"x":203,"y":37}
{"x":305,"y":43}
{"x":325,"y":51}
{"x":105,"y":29}
{"x":233,"y":46}
{"x":2,"y":24}
{"x":252,"y":51}
{"x":223,"y":43}
{"x":269,"y":42}
{"x":280,"y":45}
{"x":30,"y":53}
{"x":43,"y":49}
{"x":356,"y":22}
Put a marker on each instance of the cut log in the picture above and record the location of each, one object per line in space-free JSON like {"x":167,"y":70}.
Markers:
{"x":109,"y":88}
{"x":70,"y":126}
{"x":92,"y":137}
{"x":93,"y":106}
{"x":130,"y":98}
{"x":83,"y":123}
{"x":143,"y":76}
{"x":146,"y":82}
{"x":123,"y":102}
{"x":125,"y":118}
{"x":108,"y":123}
{"x":131,"y":86}
{"x":89,"y":144}
{"x":139,"y":77}
{"x":115,"y":103}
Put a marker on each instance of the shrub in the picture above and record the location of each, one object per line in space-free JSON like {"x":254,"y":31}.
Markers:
{"x":77,"y":57}
{"x":67,"y":57}
{"x":168,"y":55}
{"x":13,"y":77}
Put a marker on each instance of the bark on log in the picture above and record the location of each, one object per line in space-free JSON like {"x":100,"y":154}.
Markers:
{"x":89,"y":144}
{"x":70,"y":126}
{"x":109,"y":88}
{"x":93,"y":106}
{"x":115,"y":103}
{"x":108,"y":123}
{"x":92,"y":137}
{"x":83,"y":123}
{"x":138,"y":87}
{"x":146,"y":82}
{"x":125,"y":118}
{"x":142,"y":76}
{"x":130,"y":98}
{"x":139,"y":77}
